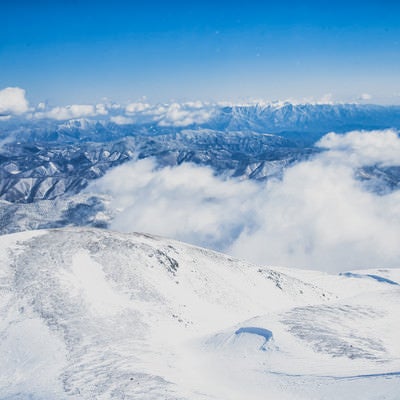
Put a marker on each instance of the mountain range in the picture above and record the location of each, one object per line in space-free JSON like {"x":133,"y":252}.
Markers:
{"x":54,"y":161}
{"x":90,"y":313}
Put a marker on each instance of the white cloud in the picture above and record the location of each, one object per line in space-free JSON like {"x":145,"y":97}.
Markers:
{"x":365,"y":96}
{"x":174,"y":114}
{"x":101,"y":109}
{"x":318,"y":216}
{"x":13,"y":101}
{"x":72,"y":112}
{"x":121,"y":120}
{"x":363,"y":148}
{"x":136,"y":107}
{"x":115,"y":106}
{"x":186,"y":202}
{"x":181,"y":115}
{"x":326,"y":99}
{"x":195,"y":104}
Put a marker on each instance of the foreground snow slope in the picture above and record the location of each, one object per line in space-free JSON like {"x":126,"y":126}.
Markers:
{"x":93,"y":314}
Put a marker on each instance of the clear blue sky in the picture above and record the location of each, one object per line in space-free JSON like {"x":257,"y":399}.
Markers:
{"x":81,"y":51}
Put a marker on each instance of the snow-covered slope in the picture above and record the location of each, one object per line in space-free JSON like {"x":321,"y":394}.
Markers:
{"x":93,"y":314}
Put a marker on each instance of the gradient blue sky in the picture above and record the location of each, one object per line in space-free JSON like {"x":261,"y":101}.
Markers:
{"x":81,"y":51}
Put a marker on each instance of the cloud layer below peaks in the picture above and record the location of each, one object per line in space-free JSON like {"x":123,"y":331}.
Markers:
{"x":318,"y":216}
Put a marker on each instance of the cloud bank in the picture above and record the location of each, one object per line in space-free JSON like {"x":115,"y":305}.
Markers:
{"x":318,"y":216}
{"x":13,"y":103}
{"x":71,"y":112}
{"x":186,"y":202}
{"x":174,"y":114}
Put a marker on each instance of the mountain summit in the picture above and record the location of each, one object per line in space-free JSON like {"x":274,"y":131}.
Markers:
{"x":89,"y":313}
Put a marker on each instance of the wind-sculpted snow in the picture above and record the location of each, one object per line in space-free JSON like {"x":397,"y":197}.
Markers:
{"x":89,"y":313}
{"x":327,"y":330}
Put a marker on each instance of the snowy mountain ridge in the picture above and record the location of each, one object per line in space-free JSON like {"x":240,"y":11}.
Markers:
{"x":48,"y":162}
{"x":89,"y":313}
{"x":304,"y":120}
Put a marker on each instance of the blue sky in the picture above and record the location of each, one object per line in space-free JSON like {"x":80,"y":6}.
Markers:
{"x":78,"y":51}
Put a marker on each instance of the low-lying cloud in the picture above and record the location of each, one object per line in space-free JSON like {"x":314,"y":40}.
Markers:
{"x":185,"y":202}
{"x":72,"y":112}
{"x":13,"y":102}
{"x":318,"y":216}
{"x":169,"y":115}
{"x":174,"y":114}
{"x":185,"y":115}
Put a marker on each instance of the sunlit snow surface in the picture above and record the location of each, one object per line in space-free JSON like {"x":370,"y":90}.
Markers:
{"x":92,"y":314}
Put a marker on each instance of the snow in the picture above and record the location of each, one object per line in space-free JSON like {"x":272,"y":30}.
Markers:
{"x":87,"y":313}
{"x":32,"y":360}
{"x":88,"y":279}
